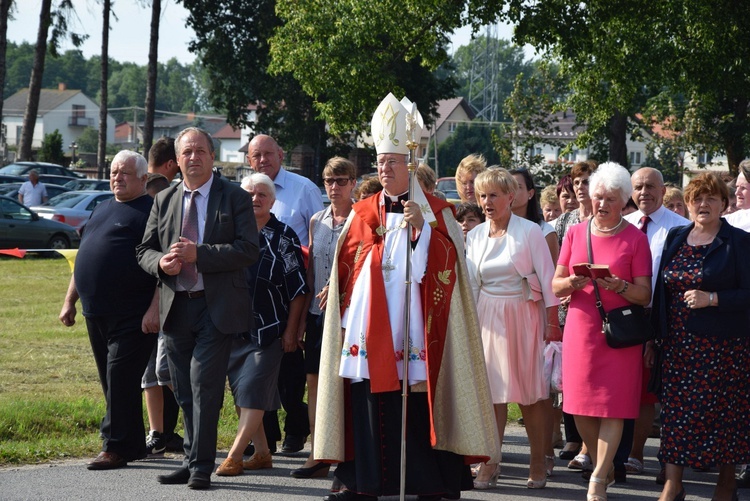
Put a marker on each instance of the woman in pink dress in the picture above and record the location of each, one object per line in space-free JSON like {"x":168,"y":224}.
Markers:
{"x":517,"y":308}
{"x":602,"y":384}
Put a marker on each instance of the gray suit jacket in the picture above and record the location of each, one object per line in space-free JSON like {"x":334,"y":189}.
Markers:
{"x":230,"y":244}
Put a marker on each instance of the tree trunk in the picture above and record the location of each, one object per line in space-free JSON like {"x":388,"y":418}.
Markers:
{"x":735,"y":142}
{"x":153,"y":50}
{"x":35,"y":83}
{"x":4,"y":9}
{"x":618,"y":129}
{"x":101,"y":158}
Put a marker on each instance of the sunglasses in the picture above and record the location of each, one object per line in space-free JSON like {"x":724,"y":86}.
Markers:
{"x":341,"y":181}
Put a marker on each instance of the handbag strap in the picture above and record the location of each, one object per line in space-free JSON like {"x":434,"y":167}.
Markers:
{"x":593,"y":280}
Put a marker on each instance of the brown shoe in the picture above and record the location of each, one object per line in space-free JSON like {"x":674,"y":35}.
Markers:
{"x":107,"y":461}
{"x":258,"y":461}
{"x":230,"y":468}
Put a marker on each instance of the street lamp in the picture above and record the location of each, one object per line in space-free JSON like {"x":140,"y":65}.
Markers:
{"x":73,"y":146}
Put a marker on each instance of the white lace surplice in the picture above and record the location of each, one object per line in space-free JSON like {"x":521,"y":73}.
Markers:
{"x":354,"y":352}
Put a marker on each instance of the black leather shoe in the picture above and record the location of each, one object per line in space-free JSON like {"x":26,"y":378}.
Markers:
{"x":250,"y":449}
{"x":293,"y":443}
{"x":315,"y":471}
{"x":179,"y":476}
{"x":348,"y":496}
{"x":743,"y":480}
{"x":199,"y":481}
{"x":107,"y":461}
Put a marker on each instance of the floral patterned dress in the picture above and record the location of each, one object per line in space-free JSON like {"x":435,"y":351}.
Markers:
{"x":705,"y":387}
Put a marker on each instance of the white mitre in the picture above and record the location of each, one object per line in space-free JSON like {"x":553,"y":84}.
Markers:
{"x":388,"y":126}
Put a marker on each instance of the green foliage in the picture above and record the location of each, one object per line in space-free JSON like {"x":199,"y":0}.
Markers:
{"x":52,"y":148}
{"x":467,"y":139}
{"x":507,"y":58}
{"x":88,"y":141}
{"x":347,"y":55}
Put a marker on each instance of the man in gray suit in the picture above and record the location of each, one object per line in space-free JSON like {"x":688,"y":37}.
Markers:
{"x":200,"y":237}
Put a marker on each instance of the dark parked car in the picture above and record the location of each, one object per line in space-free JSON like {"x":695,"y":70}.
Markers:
{"x":11,"y":190}
{"x":23,"y":168}
{"x":5,"y":179}
{"x":49,"y":179}
{"x":22,"y":228}
{"x":88,"y":184}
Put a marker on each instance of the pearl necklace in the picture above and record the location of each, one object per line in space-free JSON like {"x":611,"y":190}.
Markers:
{"x":611,"y":230}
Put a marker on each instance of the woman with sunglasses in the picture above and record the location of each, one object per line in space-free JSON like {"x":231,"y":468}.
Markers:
{"x":325,"y":227}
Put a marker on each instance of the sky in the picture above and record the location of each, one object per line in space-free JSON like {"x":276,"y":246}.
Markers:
{"x":129,"y":34}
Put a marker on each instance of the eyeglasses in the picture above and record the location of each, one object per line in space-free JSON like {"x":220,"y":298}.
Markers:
{"x":341,"y":181}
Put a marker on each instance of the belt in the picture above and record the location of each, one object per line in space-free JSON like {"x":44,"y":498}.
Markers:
{"x":190,"y":294}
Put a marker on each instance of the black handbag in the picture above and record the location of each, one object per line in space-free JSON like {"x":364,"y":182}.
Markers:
{"x":622,"y":327}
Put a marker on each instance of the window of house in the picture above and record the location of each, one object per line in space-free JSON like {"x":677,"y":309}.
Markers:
{"x":704,"y":158}
{"x":452,"y":126}
{"x":635,"y":158}
{"x":79,"y":110}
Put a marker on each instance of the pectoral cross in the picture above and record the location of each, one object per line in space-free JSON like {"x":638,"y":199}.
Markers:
{"x":388,"y":267}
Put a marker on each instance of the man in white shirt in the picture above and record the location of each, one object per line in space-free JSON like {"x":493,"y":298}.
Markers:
{"x":655,"y":220}
{"x":32,"y":192}
{"x":741,"y":217}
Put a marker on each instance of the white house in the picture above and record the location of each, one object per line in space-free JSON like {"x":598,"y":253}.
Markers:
{"x":230,"y":142}
{"x":68,"y":111}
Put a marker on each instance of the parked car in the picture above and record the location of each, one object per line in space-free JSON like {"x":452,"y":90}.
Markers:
{"x":23,"y":168}
{"x":88,"y":184}
{"x":5,"y":179}
{"x":22,"y":228}
{"x":446,"y":184}
{"x":73,"y":208}
{"x":50,"y":179}
{"x":11,"y":190}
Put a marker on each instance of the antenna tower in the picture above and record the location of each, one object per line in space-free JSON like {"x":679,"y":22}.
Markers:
{"x":483,"y":85}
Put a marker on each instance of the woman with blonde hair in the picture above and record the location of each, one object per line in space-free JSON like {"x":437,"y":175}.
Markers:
{"x":517,"y":313}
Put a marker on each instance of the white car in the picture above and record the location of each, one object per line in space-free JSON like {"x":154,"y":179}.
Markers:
{"x":72,"y":208}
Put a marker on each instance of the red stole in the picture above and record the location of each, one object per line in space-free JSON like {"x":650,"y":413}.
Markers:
{"x":436,"y":290}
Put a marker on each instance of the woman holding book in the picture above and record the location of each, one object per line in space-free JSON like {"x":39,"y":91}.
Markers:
{"x":602,"y":384}
{"x":517,"y":311}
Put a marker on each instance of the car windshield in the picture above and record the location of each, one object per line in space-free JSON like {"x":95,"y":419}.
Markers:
{"x":8,"y":188}
{"x":65,"y":200}
{"x":13,"y":169}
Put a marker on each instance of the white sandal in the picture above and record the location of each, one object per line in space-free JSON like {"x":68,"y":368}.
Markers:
{"x":580,"y":462}
{"x":634,"y":466}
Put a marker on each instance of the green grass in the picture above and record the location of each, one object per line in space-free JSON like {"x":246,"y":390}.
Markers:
{"x":51,"y":402}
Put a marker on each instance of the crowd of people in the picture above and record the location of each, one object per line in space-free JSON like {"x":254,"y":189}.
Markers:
{"x":392,"y":297}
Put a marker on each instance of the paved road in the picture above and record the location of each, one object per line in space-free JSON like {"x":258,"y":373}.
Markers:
{"x":70,"y":480}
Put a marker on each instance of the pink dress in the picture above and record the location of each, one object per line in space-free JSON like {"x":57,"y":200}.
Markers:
{"x":600,"y":381}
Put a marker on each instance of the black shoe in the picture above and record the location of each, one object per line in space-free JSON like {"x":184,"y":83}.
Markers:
{"x":155,"y":444}
{"x":317,"y":470}
{"x":250,"y":449}
{"x":174,"y":443}
{"x":743,"y":480}
{"x":293,"y":443}
{"x":348,"y":496}
{"x":179,"y":476}
{"x":199,"y":481}
{"x":568,"y":455}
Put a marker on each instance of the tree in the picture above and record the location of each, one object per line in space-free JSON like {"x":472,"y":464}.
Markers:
{"x":507,"y":58}
{"x":153,"y":50}
{"x":101,"y":153}
{"x":5,"y":6}
{"x":347,"y":55}
{"x":471,"y":138}
{"x":88,"y":141}
{"x":52,"y":148}
{"x":59,"y":30}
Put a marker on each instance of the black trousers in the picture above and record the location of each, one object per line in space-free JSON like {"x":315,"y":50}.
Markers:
{"x":198,"y":355}
{"x":292,"y":380}
{"x":121,"y":351}
{"x":376,"y":468}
